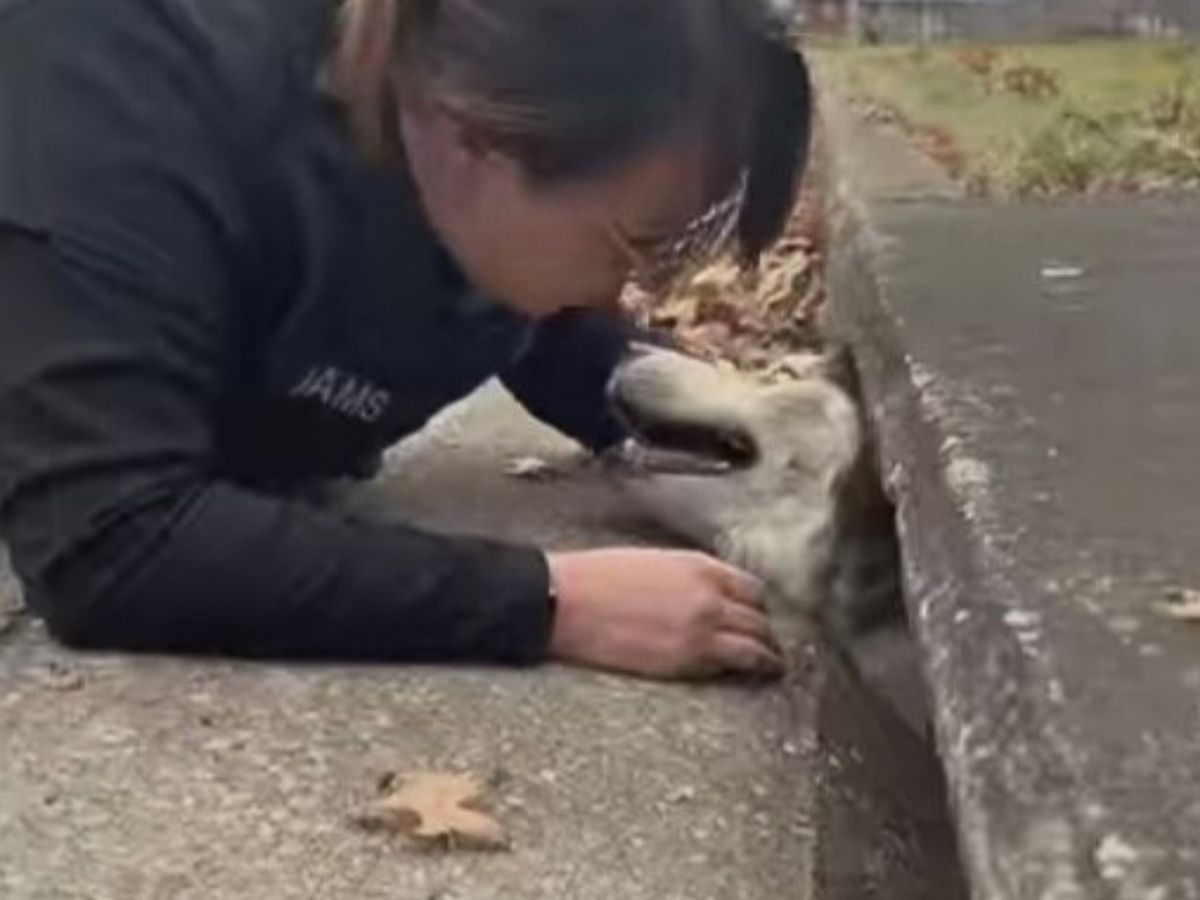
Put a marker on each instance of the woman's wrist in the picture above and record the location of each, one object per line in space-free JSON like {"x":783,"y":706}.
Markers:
{"x":561,"y":593}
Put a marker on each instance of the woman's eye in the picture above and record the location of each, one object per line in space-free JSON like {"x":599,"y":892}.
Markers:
{"x":645,"y":245}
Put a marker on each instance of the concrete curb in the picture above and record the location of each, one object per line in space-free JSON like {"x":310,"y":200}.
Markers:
{"x":1043,"y":809}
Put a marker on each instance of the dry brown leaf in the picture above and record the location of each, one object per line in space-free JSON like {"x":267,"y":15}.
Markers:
{"x":684,"y":794}
{"x":435,"y":808}
{"x":1183,"y":605}
{"x":58,"y":676}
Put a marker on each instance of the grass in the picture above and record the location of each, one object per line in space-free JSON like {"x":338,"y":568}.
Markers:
{"x":1052,"y":118}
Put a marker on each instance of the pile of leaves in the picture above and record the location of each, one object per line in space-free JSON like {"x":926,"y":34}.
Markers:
{"x":998,"y":72}
{"x":935,"y":141}
{"x":1131,"y":151}
{"x":1040,"y":121}
{"x":981,"y":61}
{"x":749,"y":319}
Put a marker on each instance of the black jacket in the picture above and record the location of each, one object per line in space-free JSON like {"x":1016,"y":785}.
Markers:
{"x":207,"y":298}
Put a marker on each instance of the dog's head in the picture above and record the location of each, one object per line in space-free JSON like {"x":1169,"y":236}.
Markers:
{"x":746,"y":468}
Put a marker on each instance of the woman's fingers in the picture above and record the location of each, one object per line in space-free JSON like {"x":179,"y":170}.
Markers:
{"x":737,"y":618}
{"x":745,"y":642}
{"x":738,"y":584}
{"x":739,"y":653}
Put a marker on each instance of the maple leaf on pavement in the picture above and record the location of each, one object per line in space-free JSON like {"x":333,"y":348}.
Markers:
{"x":435,"y":808}
{"x":1182,"y":605}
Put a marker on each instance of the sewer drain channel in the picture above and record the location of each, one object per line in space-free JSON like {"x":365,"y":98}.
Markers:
{"x":886,"y":827}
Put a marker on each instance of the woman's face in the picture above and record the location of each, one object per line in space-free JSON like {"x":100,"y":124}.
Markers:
{"x":543,"y":249}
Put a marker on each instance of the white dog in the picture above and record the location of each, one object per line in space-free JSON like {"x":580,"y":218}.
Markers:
{"x":773,"y":476}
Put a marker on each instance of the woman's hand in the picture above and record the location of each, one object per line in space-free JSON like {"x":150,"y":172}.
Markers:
{"x":660,"y":614}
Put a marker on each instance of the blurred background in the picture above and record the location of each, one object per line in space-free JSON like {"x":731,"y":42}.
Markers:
{"x":933,"y":20}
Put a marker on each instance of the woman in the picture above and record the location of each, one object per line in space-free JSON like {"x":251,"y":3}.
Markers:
{"x":245,"y":244}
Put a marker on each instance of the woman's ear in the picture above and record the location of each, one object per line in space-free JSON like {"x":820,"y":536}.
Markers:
{"x":448,"y":141}
{"x":467,"y":140}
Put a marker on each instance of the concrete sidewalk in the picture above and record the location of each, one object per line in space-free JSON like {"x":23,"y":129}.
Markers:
{"x":1034,"y":373}
{"x":132,"y":779}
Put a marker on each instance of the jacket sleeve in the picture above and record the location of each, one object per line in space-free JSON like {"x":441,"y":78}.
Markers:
{"x":563,"y":377}
{"x":124,"y":539}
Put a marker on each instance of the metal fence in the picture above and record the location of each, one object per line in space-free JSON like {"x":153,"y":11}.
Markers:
{"x":931,"y":20}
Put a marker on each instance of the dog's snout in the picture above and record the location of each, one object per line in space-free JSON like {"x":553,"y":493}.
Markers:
{"x":639,"y":349}
{"x":633,"y":352}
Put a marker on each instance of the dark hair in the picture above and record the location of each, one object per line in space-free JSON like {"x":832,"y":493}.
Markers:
{"x":574,"y":88}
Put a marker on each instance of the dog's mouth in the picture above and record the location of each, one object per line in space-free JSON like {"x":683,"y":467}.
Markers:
{"x":661,"y":446}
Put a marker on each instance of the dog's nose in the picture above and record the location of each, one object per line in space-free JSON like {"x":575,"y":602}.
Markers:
{"x":639,"y":349}
{"x":634,"y":351}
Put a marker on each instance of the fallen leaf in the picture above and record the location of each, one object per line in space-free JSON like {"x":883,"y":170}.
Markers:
{"x":684,"y":794}
{"x":1059,"y":273}
{"x":532,"y":468}
{"x":434,"y":808}
{"x":1182,"y":605}
{"x":58,"y":676}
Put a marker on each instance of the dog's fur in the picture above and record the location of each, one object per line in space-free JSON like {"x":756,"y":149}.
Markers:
{"x":805,"y":511}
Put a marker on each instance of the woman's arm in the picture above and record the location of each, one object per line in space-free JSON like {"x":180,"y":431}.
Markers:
{"x":124,"y":538}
